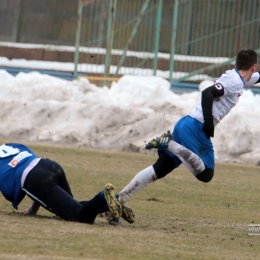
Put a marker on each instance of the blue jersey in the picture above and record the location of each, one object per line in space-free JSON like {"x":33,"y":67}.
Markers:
{"x":14,"y":158}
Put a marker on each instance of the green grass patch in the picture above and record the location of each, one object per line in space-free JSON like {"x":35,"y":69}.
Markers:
{"x":177,"y":217}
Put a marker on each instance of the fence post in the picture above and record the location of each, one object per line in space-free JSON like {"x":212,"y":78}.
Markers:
{"x":130,"y":39}
{"x":157,"y":36}
{"x":77,"y":41}
{"x":110,"y":36}
{"x":174,"y":34}
{"x":17,"y":20}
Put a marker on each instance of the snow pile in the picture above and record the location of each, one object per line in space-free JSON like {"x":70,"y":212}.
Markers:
{"x":42,"y":108}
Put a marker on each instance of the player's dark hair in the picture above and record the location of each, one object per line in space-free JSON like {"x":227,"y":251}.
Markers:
{"x":246,"y":59}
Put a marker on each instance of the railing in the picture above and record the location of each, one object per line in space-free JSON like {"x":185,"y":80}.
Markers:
{"x":59,"y":74}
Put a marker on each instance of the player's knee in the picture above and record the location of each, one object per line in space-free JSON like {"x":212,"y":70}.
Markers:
{"x":206,"y":175}
{"x":163,"y":165}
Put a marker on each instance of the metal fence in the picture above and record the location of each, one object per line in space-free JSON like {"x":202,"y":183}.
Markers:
{"x":170,"y":38}
{"x":181,"y":40}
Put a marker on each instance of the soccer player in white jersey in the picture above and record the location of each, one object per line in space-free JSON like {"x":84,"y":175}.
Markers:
{"x":190,"y":141}
{"x":44,"y":181}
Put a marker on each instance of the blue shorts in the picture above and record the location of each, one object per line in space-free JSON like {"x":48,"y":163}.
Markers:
{"x":188,"y":132}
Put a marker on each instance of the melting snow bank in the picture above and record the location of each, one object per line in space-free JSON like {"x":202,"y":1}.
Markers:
{"x":42,"y":108}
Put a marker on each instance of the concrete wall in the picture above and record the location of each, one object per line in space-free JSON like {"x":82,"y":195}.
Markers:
{"x":203,"y":25}
{"x":38,"y":21}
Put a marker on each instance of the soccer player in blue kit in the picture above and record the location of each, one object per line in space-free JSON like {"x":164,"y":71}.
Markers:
{"x":190,"y":142}
{"x":44,"y":181}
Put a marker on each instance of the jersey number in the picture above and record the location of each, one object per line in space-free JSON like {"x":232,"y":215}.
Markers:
{"x":6,"y":150}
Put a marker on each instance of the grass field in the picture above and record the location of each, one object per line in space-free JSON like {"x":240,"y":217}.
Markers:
{"x":177,"y":217}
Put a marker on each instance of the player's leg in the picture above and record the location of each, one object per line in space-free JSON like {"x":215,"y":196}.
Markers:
{"x":127,"y":214}
{"x":191,"y":146}
{"x":192,"y":161}
{"x":164,"y":165}
{"x":197,"y":151}
{"x":42,"y":185}
{"x":199,"y":158}
{"x":140,"y":181}
{"x":59,"y":175}
{"x":206,"y":175}
{"x":105,"y":198}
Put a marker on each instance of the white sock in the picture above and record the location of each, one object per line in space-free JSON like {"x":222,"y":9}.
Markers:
{"x":141,"y":180}
{"x":191,"y":160}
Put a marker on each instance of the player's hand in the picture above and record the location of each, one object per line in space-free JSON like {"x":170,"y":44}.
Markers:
{"x":208,"y":128}
{"x":32,"y":210}
{"x":26,"y":212}
{"x":29,"y":212}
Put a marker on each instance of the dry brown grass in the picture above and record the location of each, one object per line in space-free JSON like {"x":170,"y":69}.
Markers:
{"x":177,"y":217}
